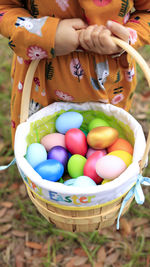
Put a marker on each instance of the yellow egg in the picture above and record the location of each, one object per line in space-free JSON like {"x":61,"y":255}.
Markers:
{"x":125,"y":156}
{"x":105,"y":181}
{"x":102,"y":137}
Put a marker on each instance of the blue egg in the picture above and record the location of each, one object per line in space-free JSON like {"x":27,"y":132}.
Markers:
{"x":36,"y":153}
{"x":81,"y":181}
{"x":51,"y":170}
{"x":84,"y":181}
{"x":70,"y":182}
{"x":68,"y":120}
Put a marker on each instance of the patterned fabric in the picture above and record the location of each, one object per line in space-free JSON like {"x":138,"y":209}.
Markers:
{"x":80,"y":76}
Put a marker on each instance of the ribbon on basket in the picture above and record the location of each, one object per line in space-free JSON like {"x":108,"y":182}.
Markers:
{"x":137,"y":191}
{"x":2,"y":168}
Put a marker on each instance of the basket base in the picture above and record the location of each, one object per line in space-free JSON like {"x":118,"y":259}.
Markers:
{"x":79,"y":221}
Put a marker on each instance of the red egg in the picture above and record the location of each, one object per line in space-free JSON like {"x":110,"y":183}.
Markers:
{"x":90,"y":167}
{"x":76,"y":142}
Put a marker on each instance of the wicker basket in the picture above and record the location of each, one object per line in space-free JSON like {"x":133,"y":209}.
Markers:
{"x":75,"y":218}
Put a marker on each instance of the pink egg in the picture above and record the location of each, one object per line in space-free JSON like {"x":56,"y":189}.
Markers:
{"x":54,"y":139}
{"x":110,"y":167}
{"x":76,"y":141}
{"x":92,"y":150}
{"x":90,"y":167}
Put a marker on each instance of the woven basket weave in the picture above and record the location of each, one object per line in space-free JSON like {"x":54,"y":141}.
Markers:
{"x":79,"y":220}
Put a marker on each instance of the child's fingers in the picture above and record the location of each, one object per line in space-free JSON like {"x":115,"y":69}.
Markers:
{"x":85,"y":38}
{"x":118,"y":30}
{"x":95,"y":35}
{"x":106,"y":42}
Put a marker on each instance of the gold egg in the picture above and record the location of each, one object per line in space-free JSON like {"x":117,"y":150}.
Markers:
{"x":102,"y":137}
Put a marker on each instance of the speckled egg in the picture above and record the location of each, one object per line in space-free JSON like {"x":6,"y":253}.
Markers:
{"x":102,"y":137}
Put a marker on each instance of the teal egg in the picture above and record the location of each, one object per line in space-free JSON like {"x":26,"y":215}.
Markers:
{"x":82,"y":182}
{"x":68,"y":120}
{"x":76,"y":165}
{"x":36,"y":153}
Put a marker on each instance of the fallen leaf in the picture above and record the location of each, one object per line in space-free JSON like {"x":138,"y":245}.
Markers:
{"x":18,"y":233}
{"x":112,"y":258}
{"x":145,"y":232}
{"x":70,"y":263}
{"x":2,"y":212}
{"x":14,"y":186}
{"x":7,"y":204}
{"x":3,"y":185}
{"x":19,"y":261}
{"x":3,"y":243}
{"x":79,"y":252}
{"x":59,"y":258}
{"x":79,"y":261}
{"x":34,"y":245}
{"x":8,"y":216}
{"x":125,"y":227}
{"x":5,"y":228}
{"x":6,"y":160}
{"x":139,"y":221}
{"x":98,"y":264}
{"x":101,"y":255}
{"x":22,"y":190}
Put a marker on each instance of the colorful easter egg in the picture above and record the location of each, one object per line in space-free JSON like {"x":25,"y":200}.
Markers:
{"x":76,"y":165}
{"x":53,"y":139}
{"x":51,"y":170}
{"x":82,"y":182}
{"x":110,"y":167}
{"x":59,"y":153}
{"x":121,"y":144}
{"x":102,"y":137}
{"x":90,"y":151}
{"x":68,"y":120}
{"x":105,"y":181}
{"x":76,"y":142}
{"x":125,"y":156}
{"x":36,"y":153}
{"x":90,"y":166}
{"x":97,"y":123}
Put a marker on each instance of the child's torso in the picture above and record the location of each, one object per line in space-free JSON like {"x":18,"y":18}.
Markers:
{"x":93,"y":11}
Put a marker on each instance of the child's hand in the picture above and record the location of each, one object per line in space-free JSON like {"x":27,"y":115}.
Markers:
{"x":66,"y":40}
{"x":98,"y":38}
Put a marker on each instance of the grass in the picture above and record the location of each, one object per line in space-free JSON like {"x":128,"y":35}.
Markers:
{"x":33,"y":222}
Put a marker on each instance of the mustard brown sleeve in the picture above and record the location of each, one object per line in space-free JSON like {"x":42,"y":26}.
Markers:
{"x":29,"y":37}
{"x":139,"y":24}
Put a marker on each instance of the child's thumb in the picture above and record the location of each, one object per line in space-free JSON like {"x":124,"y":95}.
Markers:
{"x":78,"y":24}
{"x":118,"y":30}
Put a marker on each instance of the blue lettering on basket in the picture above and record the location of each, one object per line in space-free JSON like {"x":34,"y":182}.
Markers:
{"x":70,"y":199}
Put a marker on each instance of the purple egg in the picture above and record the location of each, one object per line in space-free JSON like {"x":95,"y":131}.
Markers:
{"x":59,"y":153}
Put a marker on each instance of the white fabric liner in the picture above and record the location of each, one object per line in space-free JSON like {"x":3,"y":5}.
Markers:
{"x":103,"y":193}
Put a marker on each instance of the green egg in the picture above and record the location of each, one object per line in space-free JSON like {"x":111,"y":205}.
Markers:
{"x":97,"y":123}
{"x":76,"y":165}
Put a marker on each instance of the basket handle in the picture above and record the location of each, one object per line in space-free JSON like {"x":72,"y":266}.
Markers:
{"x":33,"y":66}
